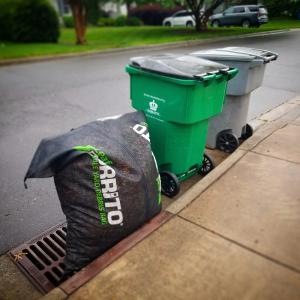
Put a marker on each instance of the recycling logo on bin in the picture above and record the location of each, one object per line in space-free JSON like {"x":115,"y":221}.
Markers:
{"x":153,"y":105}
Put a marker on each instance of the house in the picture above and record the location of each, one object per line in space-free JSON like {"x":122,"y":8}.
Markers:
{"x":62,"y":7}
{"x":114,"y":9}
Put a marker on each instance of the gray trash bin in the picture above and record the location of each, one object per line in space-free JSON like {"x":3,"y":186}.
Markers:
{"x":225,"y":129}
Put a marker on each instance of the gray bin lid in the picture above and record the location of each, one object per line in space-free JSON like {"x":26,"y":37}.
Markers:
{"x":174,"y":65}
{"x":240,"y":54}
{"x":221,"y":54}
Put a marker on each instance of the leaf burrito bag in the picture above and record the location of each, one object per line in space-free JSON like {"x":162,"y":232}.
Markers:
{"x":107,"y":183}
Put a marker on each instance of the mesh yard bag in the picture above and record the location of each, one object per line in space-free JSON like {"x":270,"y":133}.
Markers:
{"x":107,"y":182}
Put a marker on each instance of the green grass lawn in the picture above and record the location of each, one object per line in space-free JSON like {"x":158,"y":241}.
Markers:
{"x":119,"y":37}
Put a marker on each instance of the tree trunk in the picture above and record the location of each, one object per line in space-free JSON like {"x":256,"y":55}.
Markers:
{"x":202,"y":19}
{"x":128,"y":7}
{"x":198,"y":25}
{"x":82,"y":24}
{"x":201,"y":24}
{"x":79,"y":15}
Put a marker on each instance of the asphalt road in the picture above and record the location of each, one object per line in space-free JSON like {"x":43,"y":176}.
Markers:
{"x":43,"y":99}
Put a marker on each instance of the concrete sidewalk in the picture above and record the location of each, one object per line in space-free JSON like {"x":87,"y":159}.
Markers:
{"x":236,"y":237}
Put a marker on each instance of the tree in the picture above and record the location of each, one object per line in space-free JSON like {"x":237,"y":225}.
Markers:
{"x":282,"y":7}
{"x":128,"y":4}
{"x":79,"y":12}
{"x":202,"y":16}
{"x":93,"y":11}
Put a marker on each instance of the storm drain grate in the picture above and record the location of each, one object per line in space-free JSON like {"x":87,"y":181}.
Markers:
{"x":41,"y":259}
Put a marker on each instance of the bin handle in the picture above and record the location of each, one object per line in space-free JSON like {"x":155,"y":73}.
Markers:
{"x":229,"y":72}
{"x":270,"y":57}
{"x":205,"y":76}
{"x":266,"y":56}
{"x":224,"y":71}
{"x":135,"y":64}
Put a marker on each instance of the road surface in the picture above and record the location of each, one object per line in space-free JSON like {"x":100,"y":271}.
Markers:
{"x":48,"y":98}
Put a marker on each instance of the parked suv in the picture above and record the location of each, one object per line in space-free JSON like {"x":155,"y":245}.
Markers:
{"x":180,"y":18}
{"x":241,"y":15}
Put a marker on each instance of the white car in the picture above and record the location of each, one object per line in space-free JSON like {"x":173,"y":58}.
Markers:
{"x":180,"y":18}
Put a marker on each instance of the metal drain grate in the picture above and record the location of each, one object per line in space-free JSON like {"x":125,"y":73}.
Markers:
{"x":41,"y":259}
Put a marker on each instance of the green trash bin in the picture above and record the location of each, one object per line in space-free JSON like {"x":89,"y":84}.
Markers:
{"x":178,"y":94}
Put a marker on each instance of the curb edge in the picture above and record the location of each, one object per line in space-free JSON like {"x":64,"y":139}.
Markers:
{"x":172,"y":45}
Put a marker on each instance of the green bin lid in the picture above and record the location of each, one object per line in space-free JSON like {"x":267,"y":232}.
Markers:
{"x":180,"y":66}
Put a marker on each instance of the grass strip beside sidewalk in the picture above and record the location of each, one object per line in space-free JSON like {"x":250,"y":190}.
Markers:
{"x":102,"y":38}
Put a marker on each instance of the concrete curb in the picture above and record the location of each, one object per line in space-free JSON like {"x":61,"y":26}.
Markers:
{"x":100,"y":263}
{"x":55,"y":294}
{"x":274,"y":113}
{"x":204,"y":183}
{"x":266,"y":124}
{"x":10,"y":62}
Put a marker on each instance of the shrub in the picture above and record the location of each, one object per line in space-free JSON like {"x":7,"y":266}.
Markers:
{"x":282,"y":8}
{"x":134,"y":21}
{"x":152,"y":14}
{"x":35,"y":21}
{"x":93,"y":12}
{"x":295,"y":9}
{"x":120,"y":21}
{"x":68,"y":21}
{"x":7,"y":10}
{"x":106,"y":22}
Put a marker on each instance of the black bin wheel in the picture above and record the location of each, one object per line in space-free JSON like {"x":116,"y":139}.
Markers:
{"x":170,"y":185}
{"x":227,"y":141}
{"x":207,"y":165}
{"x":247,"y":132}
